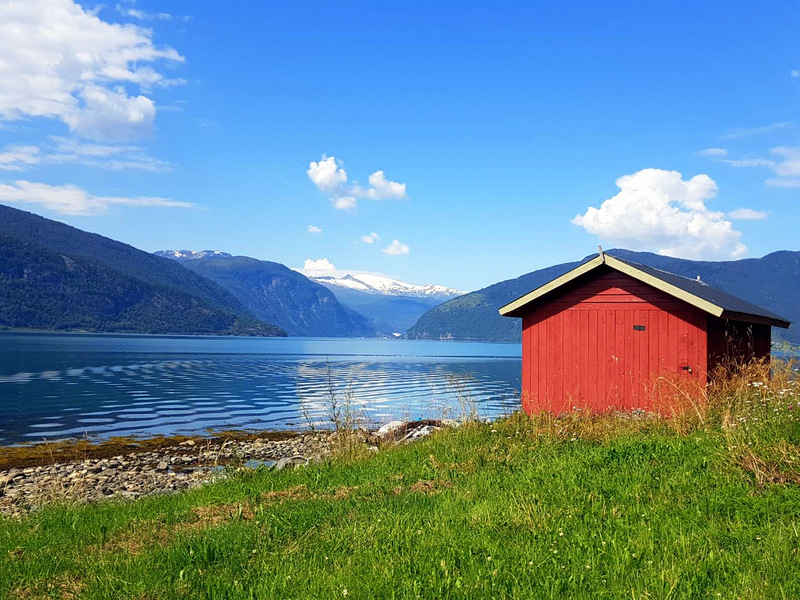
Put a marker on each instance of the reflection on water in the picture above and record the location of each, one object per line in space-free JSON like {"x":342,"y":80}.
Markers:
{"x":54,"y":386}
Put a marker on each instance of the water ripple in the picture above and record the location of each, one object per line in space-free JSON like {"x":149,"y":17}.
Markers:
{"x":187,"y":395}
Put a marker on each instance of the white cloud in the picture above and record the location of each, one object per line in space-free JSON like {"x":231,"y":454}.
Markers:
{"x":140,"y":14}
{"x":322,"y":267}
{"x":789,"y":165}
{"x":750,"y":162}
{"x":786,"y":166}
{"x":396,"y":248}
{"x":60,"y":61}
{"x":314,"y":229}
{"x":370,"y":238}
{"x":112,"y":115}
{"x":747,"y":214}
{"x":330,"y":177}
{"x":795,"y":73}
{"x":382,"y":189}
{"x":715,"y":152}
{"x":113,"y":157}
{"x":344,"y":202}
{"x":658,"y":210}
{"x":63,"y":150}
{"x":319,"y":266}
{"x":72,"y":200}
{"x":735,"y":134}
{"x":19,"y":157}
{"x":327,"y":175}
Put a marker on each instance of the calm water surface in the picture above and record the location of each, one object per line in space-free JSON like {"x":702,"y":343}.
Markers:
{"x":62,"y":385}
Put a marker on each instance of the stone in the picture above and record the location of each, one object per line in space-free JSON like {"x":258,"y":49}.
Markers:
{"x":162,"y":466}
{"x":389,"y":428}
{"x":419,"y":432}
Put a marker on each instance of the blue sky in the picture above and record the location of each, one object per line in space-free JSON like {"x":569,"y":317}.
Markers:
{"x":479,"y":141}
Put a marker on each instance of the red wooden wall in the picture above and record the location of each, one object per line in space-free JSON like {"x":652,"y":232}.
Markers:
{"x":580,"y":349}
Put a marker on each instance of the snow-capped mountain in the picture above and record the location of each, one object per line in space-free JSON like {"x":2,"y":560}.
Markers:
{"x":181,"y":255}
{"x":376,"y":284}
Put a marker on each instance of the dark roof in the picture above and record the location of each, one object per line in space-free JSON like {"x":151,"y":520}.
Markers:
{"x":727,"y":302}
{"x":693,"y":291}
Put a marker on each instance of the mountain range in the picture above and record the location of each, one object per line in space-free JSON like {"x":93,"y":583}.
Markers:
{"x":57,"y":277}
{"x":392,"y":306}
{"x":369,"y":283}
{"x":355,"y":305}
{"x":277,"y":294}
{"x":772,"y":282}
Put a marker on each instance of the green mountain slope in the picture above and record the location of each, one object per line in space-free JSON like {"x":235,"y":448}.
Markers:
{"x":772,"y":282}
{"x":277,"y":294}
{"x":53,"y":276}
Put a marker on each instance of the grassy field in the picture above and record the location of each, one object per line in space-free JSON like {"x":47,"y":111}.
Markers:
{"x":706,"y":505}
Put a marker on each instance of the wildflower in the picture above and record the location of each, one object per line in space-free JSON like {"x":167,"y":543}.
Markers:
{"x":344,"y":592}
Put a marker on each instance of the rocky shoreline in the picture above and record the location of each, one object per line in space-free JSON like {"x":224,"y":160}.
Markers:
{"x":32,"y":476}
{"x":186,"y":464}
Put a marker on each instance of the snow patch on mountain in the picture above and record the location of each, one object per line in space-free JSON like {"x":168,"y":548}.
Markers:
{"x":181,"y":255}
{"x":385,"y":286}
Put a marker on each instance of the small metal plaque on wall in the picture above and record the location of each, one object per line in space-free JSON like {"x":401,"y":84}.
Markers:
{"x":638,"y":327}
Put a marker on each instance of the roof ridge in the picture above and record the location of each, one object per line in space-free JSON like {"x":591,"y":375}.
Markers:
{"x":673,"y":274}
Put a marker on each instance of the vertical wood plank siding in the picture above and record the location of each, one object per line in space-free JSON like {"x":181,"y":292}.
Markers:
{"x":580,"y":349}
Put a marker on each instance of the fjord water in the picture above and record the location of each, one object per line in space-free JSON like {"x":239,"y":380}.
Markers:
{"x":54,"y":386}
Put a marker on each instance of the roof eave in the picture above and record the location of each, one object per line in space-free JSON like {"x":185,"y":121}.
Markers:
{"x":665,"y":287}
{"x":510,"y":309}
{"x":738,"y":316}
{"x":515,"y":308}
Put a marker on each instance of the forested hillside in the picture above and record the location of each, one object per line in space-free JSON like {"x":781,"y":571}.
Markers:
{"x":277,"y":294}
{"x":53,"y":276}
{"x":772,"y":282}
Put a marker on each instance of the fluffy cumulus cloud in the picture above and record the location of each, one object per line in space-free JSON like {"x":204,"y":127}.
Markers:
{"x":330,"y":177}
{"x":659,"y":210}
{"x":396,"y":248}
{"x":61,"y":61}
{"x":318,"y":267}
{"x":314,"y":229}
{"x":72,"y":200}
{"x":370,"y":238}
{"x":327,"y":175}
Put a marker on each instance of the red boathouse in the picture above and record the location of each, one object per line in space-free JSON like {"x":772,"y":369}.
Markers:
{"x":601,"y":335}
